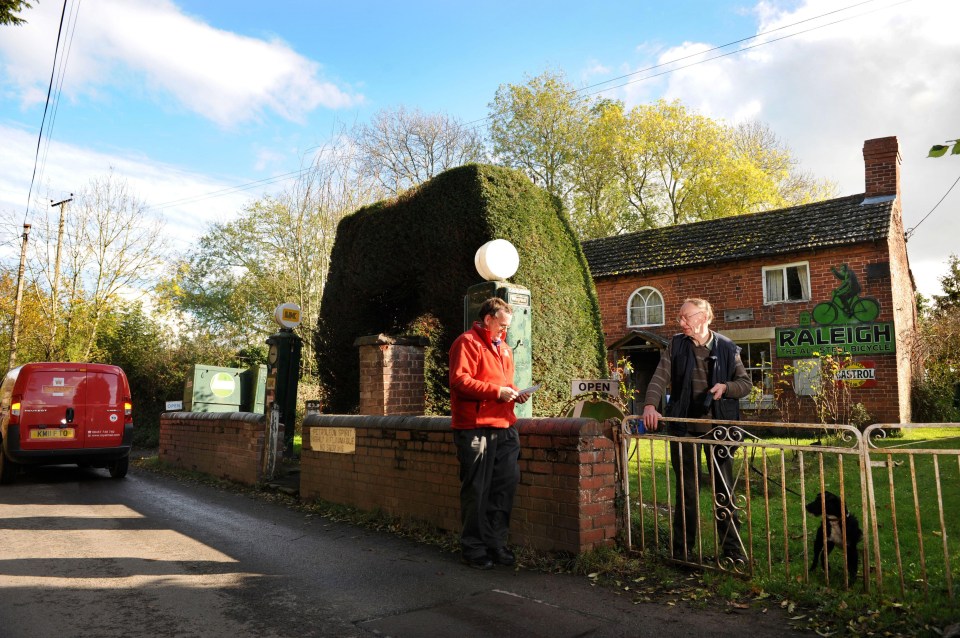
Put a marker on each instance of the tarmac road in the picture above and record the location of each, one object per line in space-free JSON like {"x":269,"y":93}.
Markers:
{"x":87,"y":556}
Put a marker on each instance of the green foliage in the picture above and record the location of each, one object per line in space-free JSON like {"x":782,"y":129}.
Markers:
{"x":936,"y":351}
{"x":813,"y":381}
{"x":656,"y":164}
{"x":949,"y":301}
{"x":935,"y":394}
{"x":939,"y":150}
{"x":9,"y":7}
{"x":537,"y":127}
{"x":156,"y":364}
{"x":277,"y":250}
{"x":403,"y":266}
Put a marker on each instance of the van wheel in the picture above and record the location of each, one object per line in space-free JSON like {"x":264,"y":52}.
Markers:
{"x":8,"y":469}
{"x":118,"y":469}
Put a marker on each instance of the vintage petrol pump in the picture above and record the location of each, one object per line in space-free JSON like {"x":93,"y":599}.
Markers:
{"x":496,"y":261}
{"x":283,"y":371}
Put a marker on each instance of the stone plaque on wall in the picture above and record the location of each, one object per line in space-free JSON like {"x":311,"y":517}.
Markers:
{"x":335,"y":440}
{"x":738,"y":314}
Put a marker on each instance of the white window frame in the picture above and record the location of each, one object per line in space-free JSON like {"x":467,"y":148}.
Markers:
{"x":765,"y":401}
{"x":663,"y":308}
{"x":804,"y":284}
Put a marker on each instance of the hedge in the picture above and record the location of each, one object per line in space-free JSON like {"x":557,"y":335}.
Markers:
{"x":402,"y":266}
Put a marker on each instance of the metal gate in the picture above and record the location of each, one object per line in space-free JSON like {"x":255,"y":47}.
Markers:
{"x":886,"y":501}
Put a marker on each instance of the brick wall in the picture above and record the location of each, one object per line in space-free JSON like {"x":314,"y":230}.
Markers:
{"x":391,"y":375}
{"x":407,"y":466}
{"x":739,"y":285}
{"x":228,"y":445}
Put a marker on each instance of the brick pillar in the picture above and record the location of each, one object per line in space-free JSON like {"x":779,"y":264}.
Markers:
{"x":881,"y":163}
{"x":391,"y":375}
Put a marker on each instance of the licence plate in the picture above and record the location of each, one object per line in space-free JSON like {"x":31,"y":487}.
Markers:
{"x":54,"y":433}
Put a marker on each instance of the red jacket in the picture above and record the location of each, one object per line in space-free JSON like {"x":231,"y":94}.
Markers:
{"x":477,"y":372}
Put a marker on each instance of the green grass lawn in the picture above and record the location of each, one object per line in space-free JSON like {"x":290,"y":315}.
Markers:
{"x":917,"y":521}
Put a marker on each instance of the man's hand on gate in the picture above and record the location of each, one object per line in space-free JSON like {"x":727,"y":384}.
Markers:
{"x":651,"y":418}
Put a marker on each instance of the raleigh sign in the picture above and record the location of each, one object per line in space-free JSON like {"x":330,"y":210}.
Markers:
{"x":862,"y":339}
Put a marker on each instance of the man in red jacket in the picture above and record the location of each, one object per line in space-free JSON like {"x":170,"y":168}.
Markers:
{"x":482,"y":396}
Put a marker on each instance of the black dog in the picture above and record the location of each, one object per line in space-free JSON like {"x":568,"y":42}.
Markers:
{"x":837,"y":517}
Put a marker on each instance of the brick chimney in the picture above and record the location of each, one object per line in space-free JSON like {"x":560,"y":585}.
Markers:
{"x":881,"y":160}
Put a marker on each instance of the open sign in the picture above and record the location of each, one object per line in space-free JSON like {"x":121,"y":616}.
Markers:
{"x":609,"y":387}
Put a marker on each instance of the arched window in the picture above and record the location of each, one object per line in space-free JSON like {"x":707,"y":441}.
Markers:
{"x":645,"y":308}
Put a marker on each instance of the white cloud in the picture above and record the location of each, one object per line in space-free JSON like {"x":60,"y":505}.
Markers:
{"x":153,"y":183}
{"x":222,"y":76}
{"x":890,"y":70}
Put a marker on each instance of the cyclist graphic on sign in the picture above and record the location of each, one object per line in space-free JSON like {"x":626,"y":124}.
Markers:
{"x":846,"y":306}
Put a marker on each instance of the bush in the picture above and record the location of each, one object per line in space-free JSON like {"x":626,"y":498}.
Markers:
{"x":403,"y":267}
{"x":934,"y":397}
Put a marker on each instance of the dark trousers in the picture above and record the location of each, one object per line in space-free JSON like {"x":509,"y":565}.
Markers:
{"x":686,"y":520}
{"x":489,"y":475}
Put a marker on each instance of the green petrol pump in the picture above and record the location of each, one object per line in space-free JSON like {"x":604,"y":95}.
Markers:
{"x":496,"y":261}
{"x":283,"y":371}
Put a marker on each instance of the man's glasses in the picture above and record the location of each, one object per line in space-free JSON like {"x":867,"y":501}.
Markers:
{"x":686,"y":318}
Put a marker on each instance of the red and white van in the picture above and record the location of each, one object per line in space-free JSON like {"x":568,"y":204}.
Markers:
{"x":53,"y":413}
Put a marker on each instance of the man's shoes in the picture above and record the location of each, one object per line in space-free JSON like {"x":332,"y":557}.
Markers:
{"x":502,"y":556}
{"x":480,"y":562}
{"x":736,"y":557}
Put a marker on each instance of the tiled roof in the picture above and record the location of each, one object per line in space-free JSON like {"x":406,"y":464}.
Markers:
{"x":835,"y":222}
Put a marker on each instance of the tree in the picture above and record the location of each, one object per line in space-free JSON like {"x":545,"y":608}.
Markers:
{"x":654,"y":165}
{"x":537,"y":127}
{"x":936,"y":352}
{"x":786,"y":184}
{"x":949,"y":301}
{"x":111,"y":251}
{"x":9,"y":7}
{"x":277,"y":250}
{"x":600,"y":202}
{"x":406,"y":148}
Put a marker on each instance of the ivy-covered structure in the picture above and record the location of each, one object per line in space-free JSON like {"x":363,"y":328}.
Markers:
{"x":402,"y":266}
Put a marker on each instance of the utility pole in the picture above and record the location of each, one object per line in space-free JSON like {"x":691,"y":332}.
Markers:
{"x":16,"y":307}
{"x":55,"y":288}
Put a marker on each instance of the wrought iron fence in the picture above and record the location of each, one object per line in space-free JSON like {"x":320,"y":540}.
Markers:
{"x":775,"y":499}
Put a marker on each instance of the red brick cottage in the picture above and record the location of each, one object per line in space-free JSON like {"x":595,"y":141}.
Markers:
{"x":784,"y":284}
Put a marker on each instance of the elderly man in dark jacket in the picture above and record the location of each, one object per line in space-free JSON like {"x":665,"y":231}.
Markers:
{"x":706,"y":379}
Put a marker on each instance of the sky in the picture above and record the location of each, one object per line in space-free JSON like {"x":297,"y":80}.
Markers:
{"x":203,"y":106}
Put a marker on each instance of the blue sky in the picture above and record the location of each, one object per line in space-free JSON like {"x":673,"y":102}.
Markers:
{"x":187,"y":98}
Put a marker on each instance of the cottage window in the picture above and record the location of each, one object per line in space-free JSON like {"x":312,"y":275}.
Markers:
{"x":756,"y":361}
{"x":789,"y":282}
{"x":645,"y":308}
{"x":755,"y":356}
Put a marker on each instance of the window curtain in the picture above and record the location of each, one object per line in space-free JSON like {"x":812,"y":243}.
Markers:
{"x":804,"y":275}
{"x":774,"y":285}
{"x":635,"y":310}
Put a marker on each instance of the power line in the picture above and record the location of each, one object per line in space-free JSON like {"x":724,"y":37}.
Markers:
{"x":724,"y":46}
{"x":229,"y":190}
{"x":61,"y":74}
{"x":720,"y":47}
{"x":909,"y":233}
{"x":741,"y":50}
{"x":45,"y":107}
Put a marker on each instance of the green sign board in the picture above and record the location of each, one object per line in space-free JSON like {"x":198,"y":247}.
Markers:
{"x":861,"y":339}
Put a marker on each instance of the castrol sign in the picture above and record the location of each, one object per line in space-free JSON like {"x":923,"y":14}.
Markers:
{"x":858,"y":374}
